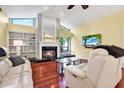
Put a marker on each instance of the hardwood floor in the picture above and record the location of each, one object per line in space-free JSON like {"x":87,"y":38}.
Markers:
{"x":60,"y":83}
{"x":45,"y":75}
{"x":121,"y":83}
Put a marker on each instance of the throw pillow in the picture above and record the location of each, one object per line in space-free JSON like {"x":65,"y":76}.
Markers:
{"x":2,"y":52}
{"x":17,"y":60}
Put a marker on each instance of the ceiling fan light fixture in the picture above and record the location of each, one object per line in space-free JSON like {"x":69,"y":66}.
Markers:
{"x":45,"y":8}
{"x":84,"y":6}
{"x":70,"y":6}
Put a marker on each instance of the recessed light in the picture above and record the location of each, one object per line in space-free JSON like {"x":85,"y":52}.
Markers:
{"x":45,"y":8}
{"x":52,"y":22}
{"x":61,"y":14}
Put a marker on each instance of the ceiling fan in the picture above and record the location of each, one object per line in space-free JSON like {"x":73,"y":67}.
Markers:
{"x":83,"y":6}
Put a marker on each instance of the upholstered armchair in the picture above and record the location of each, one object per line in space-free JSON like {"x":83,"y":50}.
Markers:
{"x":101,"y":71}
{"x":11,"y":76}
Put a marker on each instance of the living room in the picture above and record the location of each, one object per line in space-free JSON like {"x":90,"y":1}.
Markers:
{"x":53,"y":41}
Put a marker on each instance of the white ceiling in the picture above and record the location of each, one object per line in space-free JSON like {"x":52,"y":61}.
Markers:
{"x":69,"y":18}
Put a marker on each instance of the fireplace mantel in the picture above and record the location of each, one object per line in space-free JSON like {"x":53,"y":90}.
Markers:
{"x":43,"y":44}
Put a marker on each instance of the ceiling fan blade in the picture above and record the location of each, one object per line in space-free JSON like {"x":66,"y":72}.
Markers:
{"x":70,"y":6}
{"x":84,"y":6}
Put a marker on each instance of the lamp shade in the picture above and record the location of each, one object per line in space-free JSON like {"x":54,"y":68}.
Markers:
{"x":18,"y":43}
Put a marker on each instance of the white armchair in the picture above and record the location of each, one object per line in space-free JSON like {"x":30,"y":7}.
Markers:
{"x":15,"y":76}
{"x":102,"y":70}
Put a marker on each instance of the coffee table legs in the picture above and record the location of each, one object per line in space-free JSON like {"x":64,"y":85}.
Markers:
{"x":61,"y":66}
{"x":62,"y":69}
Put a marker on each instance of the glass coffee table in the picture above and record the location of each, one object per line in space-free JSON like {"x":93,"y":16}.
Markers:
{"x":61,"y":63}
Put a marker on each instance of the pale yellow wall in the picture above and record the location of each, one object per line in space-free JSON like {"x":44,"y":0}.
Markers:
{"x":20,"y":28}
{"x":65,"y":34}
{"x":110,"y":27}
{"x":5,"y":27}
{"x":3,"y":24}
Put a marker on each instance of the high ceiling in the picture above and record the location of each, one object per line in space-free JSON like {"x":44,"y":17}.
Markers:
{"x":69,"y":18}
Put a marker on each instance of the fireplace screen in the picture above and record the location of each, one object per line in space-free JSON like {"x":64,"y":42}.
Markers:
{"x":49,"y":53}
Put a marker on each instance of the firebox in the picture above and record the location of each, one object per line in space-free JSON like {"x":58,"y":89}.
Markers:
{"x":49,"y":52}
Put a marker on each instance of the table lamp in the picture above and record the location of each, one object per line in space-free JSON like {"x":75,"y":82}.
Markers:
{"x":18,"y":44}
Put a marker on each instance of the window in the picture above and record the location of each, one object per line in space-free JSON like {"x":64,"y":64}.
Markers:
{"x":62,"y":28}
{"x":64,"y":44}
{"x":24,"y":21}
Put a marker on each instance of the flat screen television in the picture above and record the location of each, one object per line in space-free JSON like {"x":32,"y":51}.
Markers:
{"x":91,"y":41}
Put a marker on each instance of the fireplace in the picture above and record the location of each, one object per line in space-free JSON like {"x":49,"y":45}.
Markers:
{"x":49,"y":52}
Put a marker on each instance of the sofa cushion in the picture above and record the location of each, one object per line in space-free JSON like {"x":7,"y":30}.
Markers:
{"x":17,"y":60}
{"x":11,"y":83}
{"x":99,"y":51}
{"x":75,"y":71}
{"x":15,"y":71}
{"x":8,"y":61}
{"x":95,"y":67}
{"x":27,"y":81}
{"x":9,"y":77}
{"x":26,"y":68}
{"x":4,"y":68}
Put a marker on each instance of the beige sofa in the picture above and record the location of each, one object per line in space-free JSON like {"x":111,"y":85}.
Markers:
{"x":15,"y":77}
{"x":101,"y":71}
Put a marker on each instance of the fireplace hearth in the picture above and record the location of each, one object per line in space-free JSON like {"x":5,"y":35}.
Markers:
{"x":49,"y":52}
